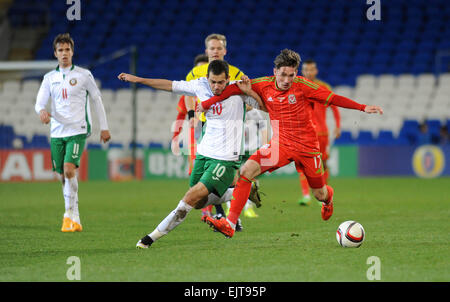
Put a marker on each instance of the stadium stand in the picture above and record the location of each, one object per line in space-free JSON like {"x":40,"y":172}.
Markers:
{"x":389,"y":63}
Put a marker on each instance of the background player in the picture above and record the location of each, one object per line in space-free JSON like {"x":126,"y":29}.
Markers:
{"x":310,"y":71}
{"x":288,"y":100}
{"x":199,"y":60}
{"x":71,"y":89}
{"x":216,"y":163}
{"x":215,"y":49}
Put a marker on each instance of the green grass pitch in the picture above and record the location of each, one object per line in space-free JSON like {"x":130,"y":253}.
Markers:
{"x":406,"y":222}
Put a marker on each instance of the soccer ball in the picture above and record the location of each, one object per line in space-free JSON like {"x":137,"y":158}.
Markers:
{"x":350,"y":234}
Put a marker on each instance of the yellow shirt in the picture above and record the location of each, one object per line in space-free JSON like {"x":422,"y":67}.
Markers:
{"x":202,"y":70}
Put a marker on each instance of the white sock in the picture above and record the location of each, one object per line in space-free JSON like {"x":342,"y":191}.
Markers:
{"x":68,"y":198}
{"x":227,"y":195}
{"x":171,"y":221}
{"x":76,"y":213}
{"x":71,"y":198}
{"x":228,"y":204}
{"x":248,"y":205}
{"x":213,"y":199}
{"x":68,"y":210}
{"x":232,"y":224}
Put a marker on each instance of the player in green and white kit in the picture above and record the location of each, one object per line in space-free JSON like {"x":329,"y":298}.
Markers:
{"x":218,"y":154}
{"x":71,"y":89}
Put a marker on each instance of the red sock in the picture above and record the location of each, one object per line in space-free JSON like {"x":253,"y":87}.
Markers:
{"x":208,"y":208}
{"x":240,"y":197}
{"x":304,"y":184}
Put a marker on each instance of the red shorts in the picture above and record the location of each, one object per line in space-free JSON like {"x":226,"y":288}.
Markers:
{"x":324,"y":146}
{"x":272,"y":156}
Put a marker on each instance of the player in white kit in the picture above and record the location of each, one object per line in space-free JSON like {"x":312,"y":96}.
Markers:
{"x":71,"y":89}
{"x":218,"y":154}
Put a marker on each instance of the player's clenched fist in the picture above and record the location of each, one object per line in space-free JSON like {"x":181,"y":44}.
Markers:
{"x":128,"y":77}
{"x":105,"y":136}
{"x":44,"y":116}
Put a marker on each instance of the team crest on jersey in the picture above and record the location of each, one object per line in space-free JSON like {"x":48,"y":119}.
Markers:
{"x":73,"y":82}
{"x":292,"y":99}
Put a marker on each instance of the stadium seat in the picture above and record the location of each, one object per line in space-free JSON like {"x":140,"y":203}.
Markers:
{"x":393,"y":68}
{"x":365,"y":138}
{"x":385,"y":137}
{"x":40,"y":142}
{"x":93,"y":146}
{"x":345,"y":138}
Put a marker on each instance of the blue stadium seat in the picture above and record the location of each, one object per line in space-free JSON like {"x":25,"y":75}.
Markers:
{"x":410,"y":131}
{"x":138,"y":145}
{"x":113,"y":145}
{"x":386,"y":137}
{"x":39,"y":142}
{"x":93,"y":146}
{"x":345,"y":138}
{"x":155,"y":145}
{"x":165,"y":27}
{"x":365,"y":138}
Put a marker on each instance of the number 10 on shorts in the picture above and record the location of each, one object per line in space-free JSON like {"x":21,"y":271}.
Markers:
{"x":218,"y":171}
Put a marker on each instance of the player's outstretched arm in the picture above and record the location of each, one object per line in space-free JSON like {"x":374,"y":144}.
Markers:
{"x":160,"y":84}
{"x":232,"y":89}
{"x":342,"y":101}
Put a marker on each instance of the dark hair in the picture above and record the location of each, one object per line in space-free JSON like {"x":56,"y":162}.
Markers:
{"x":200,"y":58}
{"x":63,"y":38}
{"x":287,"y":58}
{"x":217,"y":67}
{"x":309,"y":61}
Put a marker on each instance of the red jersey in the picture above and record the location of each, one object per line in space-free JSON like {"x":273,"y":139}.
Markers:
{"x":182,"y":112}
{"x":291,"y":111}
{"x":320,"y":114}
{"x":182,"y":106}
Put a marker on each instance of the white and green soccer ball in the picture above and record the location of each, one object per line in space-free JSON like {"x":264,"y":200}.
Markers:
{"x":350,"y":234}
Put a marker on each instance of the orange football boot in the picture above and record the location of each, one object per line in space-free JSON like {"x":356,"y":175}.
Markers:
{"x":67,"y":225}
{"x":77,"y":227}
{"x":220,"y":225}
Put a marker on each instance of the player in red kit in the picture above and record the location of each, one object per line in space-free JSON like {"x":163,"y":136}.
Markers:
{"x":199,"y":60}
{"x":310,"y":71}
{"x":288,"y":99}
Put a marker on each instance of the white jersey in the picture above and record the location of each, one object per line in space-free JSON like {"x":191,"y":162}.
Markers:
{"x":254,"y":124}
{"x":71,"y":91}
{"x":224,"y":121}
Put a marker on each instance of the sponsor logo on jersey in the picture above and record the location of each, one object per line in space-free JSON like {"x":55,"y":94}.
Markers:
{"x":73,"y":82}
{"x":281,"y":98}
{"x":56,"y":83}
{"x":270,"y":99}
{"x":292,"y":99}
